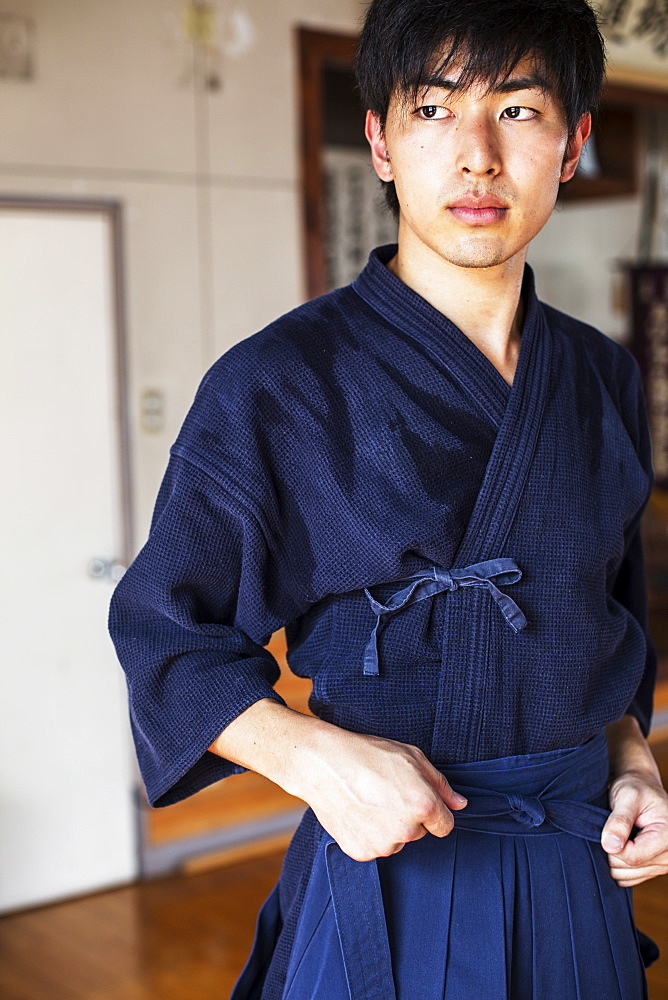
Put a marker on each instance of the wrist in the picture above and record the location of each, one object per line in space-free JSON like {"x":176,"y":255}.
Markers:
{"x":304,"y":762}
{"x":629,"y":753}
{"x":265,"y":738}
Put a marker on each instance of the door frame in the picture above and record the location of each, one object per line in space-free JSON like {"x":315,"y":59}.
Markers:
{"x":317,"y":49}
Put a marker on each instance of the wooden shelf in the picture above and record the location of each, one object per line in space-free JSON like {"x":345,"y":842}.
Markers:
{"x":616,"y":139}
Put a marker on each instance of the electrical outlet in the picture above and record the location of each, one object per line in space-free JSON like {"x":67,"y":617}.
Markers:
{"x":199,"y":22}
{"x":152,"y":411}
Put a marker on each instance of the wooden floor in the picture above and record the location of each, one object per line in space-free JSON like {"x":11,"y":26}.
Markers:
{"x":180,"y":938}
{"x":187,"y":937}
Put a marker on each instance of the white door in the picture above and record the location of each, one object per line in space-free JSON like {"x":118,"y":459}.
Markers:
{"x":67,"y":816}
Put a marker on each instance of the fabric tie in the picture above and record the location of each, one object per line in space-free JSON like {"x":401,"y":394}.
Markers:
{"x":527,"y":810}
{"x":502,"y":812}
{"x":437,"y":580}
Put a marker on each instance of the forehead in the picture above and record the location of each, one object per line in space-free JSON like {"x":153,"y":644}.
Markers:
{"x":457,"y":79}
{"x":460,"y":72}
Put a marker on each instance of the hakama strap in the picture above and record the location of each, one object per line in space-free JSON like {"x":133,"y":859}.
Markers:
{"x":360,"y":921}
{"x":424,"y":584}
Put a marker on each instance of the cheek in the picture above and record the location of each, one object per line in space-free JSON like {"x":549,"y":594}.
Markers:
{"x":420,"y":200}
{"x":418,"y":178}
{"x":538,"y":178}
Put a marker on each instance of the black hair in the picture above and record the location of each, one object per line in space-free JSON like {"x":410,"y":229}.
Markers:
{"x":405,"y":42}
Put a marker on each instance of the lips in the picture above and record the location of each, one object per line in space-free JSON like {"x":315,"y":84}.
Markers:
{"x":479,"y":211}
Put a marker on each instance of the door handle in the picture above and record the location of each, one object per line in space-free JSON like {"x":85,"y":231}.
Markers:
{"x":106,"y":569}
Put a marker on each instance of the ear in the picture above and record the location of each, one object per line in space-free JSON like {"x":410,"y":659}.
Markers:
{"x":574,"y":148}
{"x":375,"y":134}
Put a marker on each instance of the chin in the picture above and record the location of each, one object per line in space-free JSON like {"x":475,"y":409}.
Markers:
{"x":482,"y":254}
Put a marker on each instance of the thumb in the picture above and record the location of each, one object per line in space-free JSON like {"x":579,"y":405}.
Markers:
{"x":451,"y":798}
{"x":617,"y":829}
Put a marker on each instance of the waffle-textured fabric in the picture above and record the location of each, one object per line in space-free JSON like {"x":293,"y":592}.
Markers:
{"x":457,"y":563}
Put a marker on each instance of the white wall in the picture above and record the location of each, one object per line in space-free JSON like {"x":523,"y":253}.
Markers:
{"x":209,"y":180}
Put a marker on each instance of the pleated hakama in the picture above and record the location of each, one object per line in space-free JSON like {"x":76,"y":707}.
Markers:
{"x":517,"y":903}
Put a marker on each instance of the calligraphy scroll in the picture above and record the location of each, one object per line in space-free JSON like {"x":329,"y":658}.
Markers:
{"x":649,"y":302}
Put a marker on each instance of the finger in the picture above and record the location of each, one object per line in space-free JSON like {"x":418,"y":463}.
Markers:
{"x":657,"y":865}
{"x":615,"y":861}
{"x":632,"y":877}
{"x":617,"y":829}
{"x":451,"y":798}
{"x":439,"y":820}
{"x":647,"y":871}
{"x":630,"y":883}
{"x":647,"y":848}
{"x":419,"y":832}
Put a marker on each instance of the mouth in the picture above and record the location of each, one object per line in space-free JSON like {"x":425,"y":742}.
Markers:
{"x":479,"y":211}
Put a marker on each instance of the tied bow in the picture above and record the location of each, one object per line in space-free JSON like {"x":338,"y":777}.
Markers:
{"x":436,"y":581}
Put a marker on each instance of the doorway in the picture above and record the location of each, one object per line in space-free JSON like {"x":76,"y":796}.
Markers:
{"x":67,"y":777}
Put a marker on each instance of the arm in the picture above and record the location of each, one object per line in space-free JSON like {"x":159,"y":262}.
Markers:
{"x":372,"y":795}
{"x":636,"y":795}
{"x":188,"y":619}
{"x":637,"y":798}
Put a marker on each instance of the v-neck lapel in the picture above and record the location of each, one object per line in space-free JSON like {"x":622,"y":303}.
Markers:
{"x":516,"y":411}
{"x":510,"y":461}
{"x":406,"y":310}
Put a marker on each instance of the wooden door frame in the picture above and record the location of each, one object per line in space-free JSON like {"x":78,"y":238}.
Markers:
{"x":317,"y":49}
{"x":113,"y":211}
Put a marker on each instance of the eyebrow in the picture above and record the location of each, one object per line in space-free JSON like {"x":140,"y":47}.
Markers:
{"x":510,"y":86}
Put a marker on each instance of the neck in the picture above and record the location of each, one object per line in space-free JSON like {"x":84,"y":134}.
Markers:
{"x":485,"y":303}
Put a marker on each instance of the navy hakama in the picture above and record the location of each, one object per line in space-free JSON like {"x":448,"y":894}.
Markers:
{"x":458,"y":566}
{"x":516,"y":902}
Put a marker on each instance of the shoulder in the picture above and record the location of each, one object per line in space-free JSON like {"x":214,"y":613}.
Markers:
{"x":613,"y":361}
{"x":301,"y":343}
{"x":611,"y":364}
{"x":256,"y":401}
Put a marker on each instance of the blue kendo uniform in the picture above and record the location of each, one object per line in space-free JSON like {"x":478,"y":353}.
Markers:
{"x":458,"y":566}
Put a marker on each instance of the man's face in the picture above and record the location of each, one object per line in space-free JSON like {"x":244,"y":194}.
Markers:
{"x":476,"y":173}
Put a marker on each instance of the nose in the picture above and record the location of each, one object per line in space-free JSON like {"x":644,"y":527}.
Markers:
{"x":478,"y":151}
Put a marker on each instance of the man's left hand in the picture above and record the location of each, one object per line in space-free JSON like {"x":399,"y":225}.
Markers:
{"x":636,"y":799}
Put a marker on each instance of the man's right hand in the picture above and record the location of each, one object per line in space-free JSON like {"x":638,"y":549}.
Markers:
{"x":372,"y":795}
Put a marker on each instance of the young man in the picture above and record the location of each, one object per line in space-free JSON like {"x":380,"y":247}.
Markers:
{"x":435,"y":483}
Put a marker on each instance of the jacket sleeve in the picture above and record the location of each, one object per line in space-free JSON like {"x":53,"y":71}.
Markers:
{"x":193,"y":612}
{"x":630,"y":590}
{"x":630,"y":587}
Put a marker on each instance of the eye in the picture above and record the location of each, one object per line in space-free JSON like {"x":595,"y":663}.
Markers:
{"x":432,"y":111}
{"x":519,"y":114}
